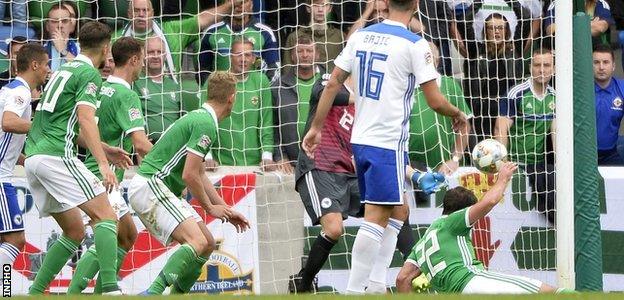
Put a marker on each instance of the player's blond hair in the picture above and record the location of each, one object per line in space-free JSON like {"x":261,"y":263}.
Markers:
{"x":221,"y":85}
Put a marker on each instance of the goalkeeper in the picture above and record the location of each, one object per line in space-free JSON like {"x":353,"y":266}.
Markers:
{"x":329,"y":187}
{"x":446,"y":256}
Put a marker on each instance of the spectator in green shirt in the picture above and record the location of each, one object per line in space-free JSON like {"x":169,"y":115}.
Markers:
{"x":245,"y":138}
{"x":176,"y":34}
{"x":432,"y":142}
{"x":159,"y":92}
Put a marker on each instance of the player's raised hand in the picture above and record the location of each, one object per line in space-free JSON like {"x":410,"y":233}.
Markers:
{"x":311,"y":140}
{"x":239,"y":221}
{"x":506,"y":171}
{"x":109,"y":180}
{"x":429,"y":182}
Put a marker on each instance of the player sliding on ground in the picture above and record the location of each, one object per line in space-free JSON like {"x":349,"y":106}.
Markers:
{"x":328,"y":185}
{"x":445,"y":253}
{"x":121,"y":123}
{"x":177,"y":162}
{"x":387,"y":62}
{"x":15,"y":97}
{"x":60,"y":183}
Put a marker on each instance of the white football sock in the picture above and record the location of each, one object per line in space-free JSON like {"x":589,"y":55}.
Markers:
{"x":365,"y":249}
{"x":377,"y":279}
{"x":8,"y":254}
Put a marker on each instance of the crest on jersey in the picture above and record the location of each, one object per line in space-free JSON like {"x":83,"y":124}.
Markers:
{"x":428,"y":58}
{"x":204,"y":142}
{"x":134,"y":114}
{"x":617,"y":103}
{"x":254,"y":100}
{"x":17,"y":219}
{"x":551,"y":105}
{"x":91,"y":89}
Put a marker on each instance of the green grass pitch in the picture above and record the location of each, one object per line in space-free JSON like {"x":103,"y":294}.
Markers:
{"x":339,"y":297}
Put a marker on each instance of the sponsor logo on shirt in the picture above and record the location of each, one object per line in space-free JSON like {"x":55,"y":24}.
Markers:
{"x":221,"y":41}
{"x":91,"y":89}
{"x":617,"y":103}
{"x":528,"y":107}
{"x":204,"y":142}
{"x":428,"y":58}
{"x":134,"y":114}
{"x":19,"y":100}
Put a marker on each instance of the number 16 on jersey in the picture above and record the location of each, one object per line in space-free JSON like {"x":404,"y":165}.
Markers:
{"x":370,"y":80}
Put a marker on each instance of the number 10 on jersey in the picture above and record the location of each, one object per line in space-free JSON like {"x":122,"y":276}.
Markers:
{"x":370,"y":80}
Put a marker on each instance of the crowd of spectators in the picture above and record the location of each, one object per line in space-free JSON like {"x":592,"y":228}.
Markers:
{"x":484,"y":49}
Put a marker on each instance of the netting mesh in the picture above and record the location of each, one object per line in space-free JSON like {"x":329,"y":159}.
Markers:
{"x":485,"y":50}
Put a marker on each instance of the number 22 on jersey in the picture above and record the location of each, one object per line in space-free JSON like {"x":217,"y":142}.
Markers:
{"x":370,"y":81}
{"x":425,"y":253}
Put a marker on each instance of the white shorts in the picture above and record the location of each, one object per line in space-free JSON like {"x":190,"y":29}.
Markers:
{"x":486,"y":282}
{"x":59,"y":184}
{"x":118,"y":204}
{"x":158,"y":208}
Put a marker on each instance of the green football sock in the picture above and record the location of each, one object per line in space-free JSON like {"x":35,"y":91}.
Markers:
{"x":121,"y":255}
{"x":54,"y":260}
{"x":105,"y":233}
{"x":176,"y":265}
{"x":86,"y":269}
{"x":186,"y":281}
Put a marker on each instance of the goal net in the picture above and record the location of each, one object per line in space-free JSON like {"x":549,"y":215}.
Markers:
{"x":484,"y":54}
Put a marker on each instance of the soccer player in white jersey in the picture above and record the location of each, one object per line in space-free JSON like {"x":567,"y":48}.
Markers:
{"x":32,"y":69}
{"x":387,"y":62}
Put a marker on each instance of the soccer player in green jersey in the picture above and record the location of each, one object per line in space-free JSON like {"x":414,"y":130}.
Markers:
{"x":121,"y":123}
{"x":176,"y":163}
{"x":525,"y":122}
{"x":61,"y":185}
{"x":445,"y":253}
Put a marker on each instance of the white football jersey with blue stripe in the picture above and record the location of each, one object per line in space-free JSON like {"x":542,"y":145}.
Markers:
{"x":14,"y":97}
{"x":387,"y":62}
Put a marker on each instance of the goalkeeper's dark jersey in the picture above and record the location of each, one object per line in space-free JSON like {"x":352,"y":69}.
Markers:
{"x":334,"y":153}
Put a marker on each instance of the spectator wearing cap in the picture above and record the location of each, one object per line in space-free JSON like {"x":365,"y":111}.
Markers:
{"x":58,"y":29}
{"x":329,"y":39}
{"x":609,"y":105}
{"x":14,"y":45}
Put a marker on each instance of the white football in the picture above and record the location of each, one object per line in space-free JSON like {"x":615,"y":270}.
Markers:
{"x":488,"y":155}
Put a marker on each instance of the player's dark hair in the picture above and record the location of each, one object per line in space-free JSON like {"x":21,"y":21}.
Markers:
{"x":94,"y":35}
{"x":124,"y":49}
{"x":456,"y":199}
{"x":27,"y":54}
{"x":16,"y":40}
{"x":402,"y":5}
{"x":604,"y":48}
{"x":542,"y":50}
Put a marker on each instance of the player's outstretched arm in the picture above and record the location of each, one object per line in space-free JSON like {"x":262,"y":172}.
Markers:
{"x":501,"y":129}
{"x":214,"y":15}
{"x":437,"y":102}
{"x":313,"y":137}
{"x":91,"y":136}
{"x":237,"y":219}
{"x":408,"y":272}
{"x":494,"y":195}
{"x":141,"y":143}
{"x":12,"y":123}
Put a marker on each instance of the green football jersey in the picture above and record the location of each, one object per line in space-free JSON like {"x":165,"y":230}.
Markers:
{"x":219,"y":39}
{"x":55,"y":126}
{"x":532,"y":119}
{"x":161,"y":103}
{"x":248,"y":131}
{"x":445,"y":253}
{"x":432,"y":139}
{"x":178,"y":34}
{"x":194,"y":133}
{"x":118,"y":116}
{"x":304,"y":91}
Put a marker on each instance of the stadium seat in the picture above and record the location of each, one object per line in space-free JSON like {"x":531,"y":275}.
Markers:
{"x":37,"y":10}
{"x":115,"y":13}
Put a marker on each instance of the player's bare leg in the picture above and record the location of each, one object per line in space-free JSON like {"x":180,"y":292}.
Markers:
{"x":188,"y":256}
{"x":377,"y":279}
{"x":187,"y":279}
{"x":12,"y":244}
{"x":367,"y":244}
